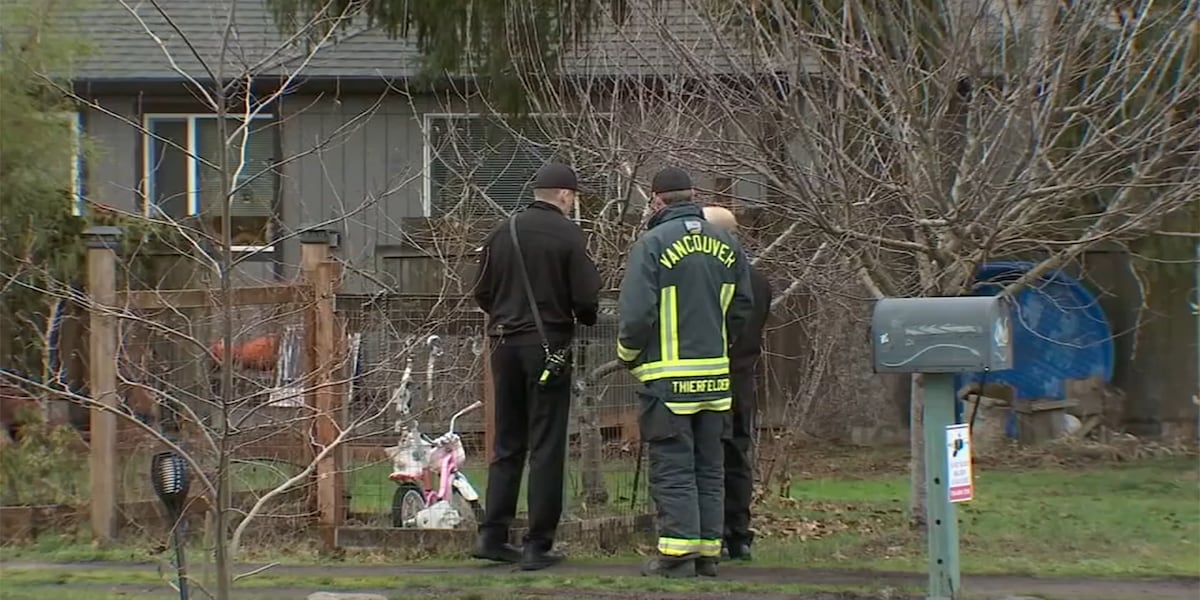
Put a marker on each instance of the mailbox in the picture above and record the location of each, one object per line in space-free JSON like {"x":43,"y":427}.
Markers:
{"x":942,"y":335}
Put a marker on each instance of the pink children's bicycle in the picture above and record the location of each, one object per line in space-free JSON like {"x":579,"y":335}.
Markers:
{"x":417,"y":501}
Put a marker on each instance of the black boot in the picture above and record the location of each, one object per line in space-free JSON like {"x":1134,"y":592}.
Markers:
{"x":534,"y":558}
{"x":707,"y":566}
{"x":672,"y":567}
{"x":504,"y":553}
{"x":739,"y":551}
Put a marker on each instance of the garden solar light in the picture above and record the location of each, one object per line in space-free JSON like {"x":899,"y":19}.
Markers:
{"x":169,"y":474}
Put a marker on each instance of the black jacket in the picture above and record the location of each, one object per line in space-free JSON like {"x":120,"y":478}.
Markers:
{"x":747,"y":346}
{"x":565,"y":280}
{"x":686,"y":294}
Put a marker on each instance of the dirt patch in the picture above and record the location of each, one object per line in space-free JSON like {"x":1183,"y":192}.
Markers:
{"x":779,"y":519}
{"x":1110,"y":448}
{"x":822,"y":460}
{"x":818,"y":460}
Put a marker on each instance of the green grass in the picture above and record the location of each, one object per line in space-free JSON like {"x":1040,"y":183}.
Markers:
{"x":1141,"y":519}
{"x":46,"y":469}
{"x":1133,"y":520}
{"x":371,"y":490}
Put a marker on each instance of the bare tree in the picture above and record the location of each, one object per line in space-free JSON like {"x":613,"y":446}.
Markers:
{"x":913,"y":141}
{"x":212,"y":397}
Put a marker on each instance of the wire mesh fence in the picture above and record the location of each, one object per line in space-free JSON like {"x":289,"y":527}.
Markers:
{"x":419,"y":359}
{"x":606,"y":470}
{"x":423,"y":358}
{"x":169,"y":378}
{"x":414,"y":362}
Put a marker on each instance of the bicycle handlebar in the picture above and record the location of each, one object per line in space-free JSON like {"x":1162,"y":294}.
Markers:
{"x":473,"y":406}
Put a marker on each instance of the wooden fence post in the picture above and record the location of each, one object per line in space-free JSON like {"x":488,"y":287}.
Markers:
{"x":102,"y":244}
{"x":331,"y":481}
{"x":325,"y":351}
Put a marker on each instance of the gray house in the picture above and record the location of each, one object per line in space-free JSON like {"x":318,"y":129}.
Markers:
{"x":343,"y":141}
{"x":348,"y":141}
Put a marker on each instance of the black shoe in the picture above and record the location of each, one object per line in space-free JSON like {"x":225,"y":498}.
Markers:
{"x":739,"y":552}
{"x":706,"y":567}
{"x":533,"y":559}
{"x":504,"y":553}
{"x":671,"y":568}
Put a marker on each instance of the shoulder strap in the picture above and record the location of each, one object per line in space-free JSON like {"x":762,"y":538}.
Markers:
{"x":537,"y":315}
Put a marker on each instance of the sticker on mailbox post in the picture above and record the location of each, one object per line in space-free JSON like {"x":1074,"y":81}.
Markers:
{"x":958,"y":459}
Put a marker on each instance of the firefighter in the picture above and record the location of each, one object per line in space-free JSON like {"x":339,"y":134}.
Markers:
{"x":685,"y":295}
{"x":743,"y":359}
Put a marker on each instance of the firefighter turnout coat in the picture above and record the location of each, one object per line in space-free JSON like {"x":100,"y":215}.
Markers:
{"x":685,"y":295}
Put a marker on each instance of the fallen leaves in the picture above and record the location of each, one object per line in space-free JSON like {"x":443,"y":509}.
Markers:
{"x":789,"y":518}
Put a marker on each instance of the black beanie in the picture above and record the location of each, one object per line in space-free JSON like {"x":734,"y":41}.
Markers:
{"x":670,"y":179}
{"x":556,"y":176}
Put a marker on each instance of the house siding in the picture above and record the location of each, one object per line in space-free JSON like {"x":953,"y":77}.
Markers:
{"x":357,"y":165}
{"x":354,"y":162}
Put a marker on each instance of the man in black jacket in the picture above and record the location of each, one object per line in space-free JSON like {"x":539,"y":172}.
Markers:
{"x":743,"y":358}
{"x":532,"y":406}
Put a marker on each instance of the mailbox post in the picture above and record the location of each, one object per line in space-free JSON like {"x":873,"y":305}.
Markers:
{"x":940,"y":337}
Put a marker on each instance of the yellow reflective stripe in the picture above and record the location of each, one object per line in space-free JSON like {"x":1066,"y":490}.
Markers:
{"x":709,"y":547}
{"x":684,"y":367}
{"x":726,"y":297}
{"x":627,"y":354}
{"x":679,"y":547}
{"x":668,"y":323}
{"x":691,"y":408}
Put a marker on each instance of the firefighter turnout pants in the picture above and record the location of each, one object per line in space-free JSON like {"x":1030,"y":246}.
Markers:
{"x":686,"y":478}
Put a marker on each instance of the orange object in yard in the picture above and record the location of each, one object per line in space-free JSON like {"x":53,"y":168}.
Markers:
{"x":258,"y":354}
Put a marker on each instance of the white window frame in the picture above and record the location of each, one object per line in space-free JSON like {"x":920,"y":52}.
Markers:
{"x":77,"y":198}
{"x":193,"y":172}
{"x":427,"y":148}
{"x":74,"y":120}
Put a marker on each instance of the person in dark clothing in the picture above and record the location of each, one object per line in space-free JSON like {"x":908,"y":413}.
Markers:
{"x":686,"y":293}
{"x":531,"y":412}
{"x":743,"y":358}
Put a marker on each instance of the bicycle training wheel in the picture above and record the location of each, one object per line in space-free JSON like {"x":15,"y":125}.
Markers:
{"x":406,"y":502}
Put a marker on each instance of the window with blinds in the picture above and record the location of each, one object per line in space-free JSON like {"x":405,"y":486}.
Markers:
{"x":255,"y":185}
{"x":183,"y":163}
{"x":479,"y":167}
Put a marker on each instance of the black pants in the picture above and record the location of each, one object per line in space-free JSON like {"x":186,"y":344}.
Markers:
{"x":739,"y":466}
{"x":529,"y":421}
